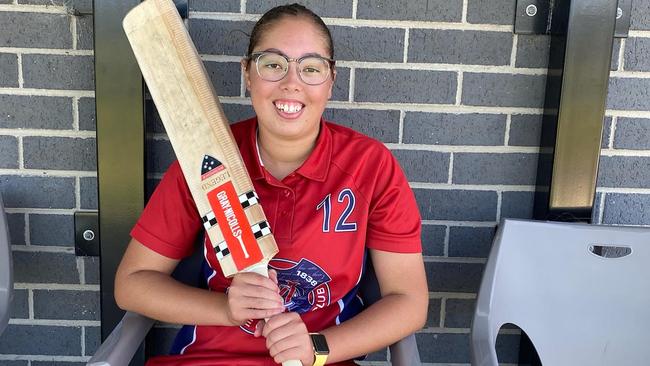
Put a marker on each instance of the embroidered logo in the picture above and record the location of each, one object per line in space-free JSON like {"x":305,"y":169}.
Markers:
{"x":303,"y":285}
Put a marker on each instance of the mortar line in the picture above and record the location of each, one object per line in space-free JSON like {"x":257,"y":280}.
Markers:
{"x":81,"y":268}
{"x":21,"y":78}
{"x":621,"y":58}
{"x":443,"y":312}
{"x":30,"y":304}
{"x":463,"y":16}
{"x":400,"y":138}
{"x":601,"y":211}
{"x":406,"y":45}
{"x":445,"y":247}
{"x":612,"y":132}
{"x":499,"y":202}
{"x":506,"y":139}
{"x":352,"y":84}
{"x":459,"y":88}
{"x":450,"y":171}
{"x":83,"y":344}
{"x":73,"y":32}
{"x":513,"y":52}
{"x":77,"y":192}
{"x":75,"y":113}
{"x":21,"y":153}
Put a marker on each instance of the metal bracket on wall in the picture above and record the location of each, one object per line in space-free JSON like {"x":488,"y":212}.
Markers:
{"x":541,"y":17}
{"x":86,"y":233}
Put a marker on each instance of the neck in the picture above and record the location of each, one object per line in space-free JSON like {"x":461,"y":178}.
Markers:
{"x":281,"y":157}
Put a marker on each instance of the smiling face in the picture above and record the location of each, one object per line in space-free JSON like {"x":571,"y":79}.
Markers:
{"x":289,"y":109}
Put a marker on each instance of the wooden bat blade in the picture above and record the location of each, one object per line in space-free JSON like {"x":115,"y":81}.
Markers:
{"x":200,"y":136}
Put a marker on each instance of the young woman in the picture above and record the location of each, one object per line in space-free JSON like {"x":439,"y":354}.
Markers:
{"x":332,"y":197}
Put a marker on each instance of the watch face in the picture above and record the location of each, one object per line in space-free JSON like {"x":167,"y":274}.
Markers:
{"x":320,"y":343}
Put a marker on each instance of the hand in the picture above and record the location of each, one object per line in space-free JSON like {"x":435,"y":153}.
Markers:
{"x":253,"y":296}
{"x":287,"y":338}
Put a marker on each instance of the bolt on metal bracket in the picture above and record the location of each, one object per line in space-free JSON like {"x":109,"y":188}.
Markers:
{"x":548,"y":17}
{"x":86,"y":233}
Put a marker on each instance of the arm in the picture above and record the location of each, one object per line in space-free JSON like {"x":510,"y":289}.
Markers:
{"x":401,"y":311}
{"x":143,"y":284}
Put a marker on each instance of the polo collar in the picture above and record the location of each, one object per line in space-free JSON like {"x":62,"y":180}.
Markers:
{"x":315,"y":167}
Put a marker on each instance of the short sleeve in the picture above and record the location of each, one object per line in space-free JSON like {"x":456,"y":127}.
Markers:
{"x":170,"y":222}
{"x":394,"y":222}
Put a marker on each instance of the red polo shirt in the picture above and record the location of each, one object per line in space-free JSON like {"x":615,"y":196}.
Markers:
{"x":350,"y":194}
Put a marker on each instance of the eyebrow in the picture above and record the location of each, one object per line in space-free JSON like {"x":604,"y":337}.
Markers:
{"x":311,"y":54}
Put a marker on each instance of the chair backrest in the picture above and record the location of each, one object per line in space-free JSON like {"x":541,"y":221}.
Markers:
{"x":577,"y":307}
{"x":6,"y":270}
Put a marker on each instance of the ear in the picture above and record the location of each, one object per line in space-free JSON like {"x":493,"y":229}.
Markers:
{"x":244,"y":69}
{"x":332,"y":84}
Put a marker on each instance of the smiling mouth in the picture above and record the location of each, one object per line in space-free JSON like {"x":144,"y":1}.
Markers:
{"x":288,"y":107}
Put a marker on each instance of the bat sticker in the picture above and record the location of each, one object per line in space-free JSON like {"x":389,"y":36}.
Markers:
{"x":234,"y":226}
{"x":210,"y":167}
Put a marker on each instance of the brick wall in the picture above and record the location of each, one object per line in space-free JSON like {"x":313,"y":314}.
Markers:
{"x":47,"y":172}
{"x":444,"y":83}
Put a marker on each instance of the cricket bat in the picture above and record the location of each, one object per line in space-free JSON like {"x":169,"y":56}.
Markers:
{"x":201,"y":138}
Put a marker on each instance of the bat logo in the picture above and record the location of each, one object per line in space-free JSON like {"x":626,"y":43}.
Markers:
{"x":210,"y":167}
{"x":239,"y":236}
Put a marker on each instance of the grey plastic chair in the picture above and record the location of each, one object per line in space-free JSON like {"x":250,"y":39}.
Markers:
{"x":6,"y":270}
{"x":580,"y":292}
{"x":118,"y":349}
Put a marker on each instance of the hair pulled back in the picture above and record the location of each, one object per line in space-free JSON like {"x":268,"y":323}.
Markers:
{"x":280,"y":12}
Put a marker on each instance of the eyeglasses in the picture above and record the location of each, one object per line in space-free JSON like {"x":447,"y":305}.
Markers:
{"x":272,"y":66}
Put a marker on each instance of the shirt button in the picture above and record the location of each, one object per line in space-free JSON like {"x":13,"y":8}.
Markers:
{"x":287,"y":193}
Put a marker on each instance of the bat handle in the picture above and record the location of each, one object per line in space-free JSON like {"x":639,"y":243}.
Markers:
{"x":292,"y":363}
{"x":264,"y":271}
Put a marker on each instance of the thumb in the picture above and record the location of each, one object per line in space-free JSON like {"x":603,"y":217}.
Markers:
{"x":259,"y":327}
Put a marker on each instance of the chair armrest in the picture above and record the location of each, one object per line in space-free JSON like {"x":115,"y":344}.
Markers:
{"x":405,"y":352}
{"x":120,"y":346}
{"x":6,"y":270}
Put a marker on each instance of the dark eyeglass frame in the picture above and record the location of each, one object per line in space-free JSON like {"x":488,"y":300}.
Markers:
{"x":255,"y":56}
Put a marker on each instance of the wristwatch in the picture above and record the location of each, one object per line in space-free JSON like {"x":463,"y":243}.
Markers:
{"x":321,"y":350}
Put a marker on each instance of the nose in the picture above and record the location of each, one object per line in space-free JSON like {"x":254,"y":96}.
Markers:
{"x":291,"y":80}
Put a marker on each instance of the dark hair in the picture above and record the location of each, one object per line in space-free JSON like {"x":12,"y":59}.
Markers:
{"x":278,"y":13}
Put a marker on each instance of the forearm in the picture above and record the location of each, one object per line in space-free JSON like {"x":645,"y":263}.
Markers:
{"x":385,"y":322}
{"x":159,"y":296}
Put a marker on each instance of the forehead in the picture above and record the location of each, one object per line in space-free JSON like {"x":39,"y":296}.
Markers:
{"x":294,"y":36}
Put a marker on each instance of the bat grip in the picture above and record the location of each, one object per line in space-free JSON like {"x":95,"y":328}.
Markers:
{"x":262,"y":269}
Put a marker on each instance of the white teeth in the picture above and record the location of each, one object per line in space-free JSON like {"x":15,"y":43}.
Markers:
{"x":287,"y":108}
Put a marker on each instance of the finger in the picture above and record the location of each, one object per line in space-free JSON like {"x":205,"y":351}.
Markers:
{"x":295,"y":347}
{"x":283,"y":325}
{"x":255,"y":279}
{"x":254,"y":292}
{"x":241,"y":316}
{"x":258,"y":328}
{"x":276,"y":321}
{"x":256,"y":303}
{"x":273,"y":275}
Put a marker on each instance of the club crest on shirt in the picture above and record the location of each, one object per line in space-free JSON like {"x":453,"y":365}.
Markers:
{"x":303,"y":285}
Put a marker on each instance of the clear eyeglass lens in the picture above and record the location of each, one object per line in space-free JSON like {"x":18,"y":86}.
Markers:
{"x":273,"y":67}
